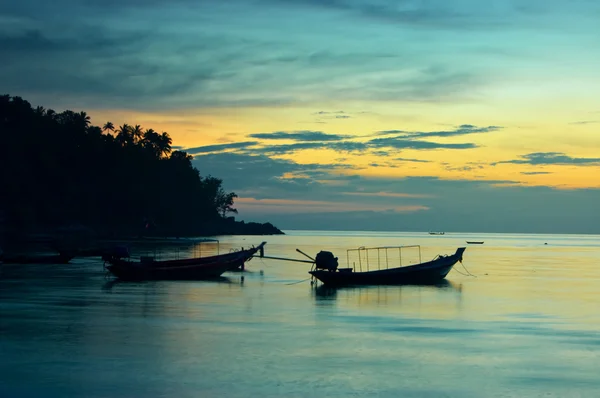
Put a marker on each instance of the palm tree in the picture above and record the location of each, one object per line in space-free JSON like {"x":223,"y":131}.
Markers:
{"x":124,"y":135}
{"x":82,"y":119}
{"x":137,"y":133}
{"x":165,"y":144}
{"x":160,"y":144}
{"x":150,"y":141}
{"x":108,"y":126}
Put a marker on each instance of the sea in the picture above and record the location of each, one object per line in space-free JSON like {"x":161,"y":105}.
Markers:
{"x":520,"y":317}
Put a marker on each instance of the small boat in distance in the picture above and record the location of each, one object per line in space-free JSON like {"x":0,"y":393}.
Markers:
{"x":326,"y":268}
{"x":198,"y":268}
{"x":436,"y":233}
{"x":473,"y":242}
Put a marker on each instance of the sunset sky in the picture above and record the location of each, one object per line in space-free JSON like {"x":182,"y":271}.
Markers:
{"x":342,"y":114}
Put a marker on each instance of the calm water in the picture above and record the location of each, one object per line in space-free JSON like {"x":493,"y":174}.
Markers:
{"x":527,"y":325}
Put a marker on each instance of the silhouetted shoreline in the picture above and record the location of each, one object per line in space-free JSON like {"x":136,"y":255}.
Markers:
{"x":58,"y":171}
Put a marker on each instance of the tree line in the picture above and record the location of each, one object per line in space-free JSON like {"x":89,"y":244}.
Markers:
{"x":57,"y":169}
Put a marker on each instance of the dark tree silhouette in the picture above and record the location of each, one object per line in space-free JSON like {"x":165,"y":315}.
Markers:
{"x":56,"y":169}
{"x":108,"y":126}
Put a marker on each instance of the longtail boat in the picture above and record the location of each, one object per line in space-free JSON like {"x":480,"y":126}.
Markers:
{"x":147,"y":268}
{"x":326,"y":269}
{"x":36,"y":259}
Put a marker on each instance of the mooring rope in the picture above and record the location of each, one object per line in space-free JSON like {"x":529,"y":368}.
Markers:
{"x":467,"y":274}
{"x":294,"y":283}
{"x":262,"y":262}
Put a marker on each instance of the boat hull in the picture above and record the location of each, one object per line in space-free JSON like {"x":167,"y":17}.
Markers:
{"x":187,"y":269}
{"x":40,"y":259}
{"x":424,"y":273}
{"x":139,"y":271}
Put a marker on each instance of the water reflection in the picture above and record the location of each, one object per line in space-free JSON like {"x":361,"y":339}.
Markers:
{"x":324,"y":293}
{"x":66,"y":331}
{"x":109,"y":285}
{"x":380,"y":294}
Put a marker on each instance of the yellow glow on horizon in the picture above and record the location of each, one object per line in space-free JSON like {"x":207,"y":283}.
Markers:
{"x":539,"y":127}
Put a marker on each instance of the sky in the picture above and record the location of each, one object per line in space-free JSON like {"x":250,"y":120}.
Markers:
{"x":401,"y":115}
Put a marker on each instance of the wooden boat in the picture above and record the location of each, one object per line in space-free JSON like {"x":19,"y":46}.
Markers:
{"x":187,"y":269}
{"x":471,"y":242}
{"x":433,"y":271}
{"x":36,"y":259}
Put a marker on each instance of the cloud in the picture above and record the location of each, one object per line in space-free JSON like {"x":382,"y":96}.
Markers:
{"x":386,"y":164}
{"x":551,"y":158}
{"x":92,"y":64}
{"x":342,"y":146}
{"x":331,"y":115}
{"x":109,"y":59}
{"x":311,"y":140}
{"x":457,"y":17}
{"x":461,"y":168}
{"x":425,"y":84}
{"x":220,"y":147}
{"x":303,"y":196}
{"x":291,"y":206}
{"x":464,"y":206}
{"x":412,"y":160}
{"x":288,"y":148}
{"x":109,"y":54}
{"x":380,"y":153}
{"x":300,"y":136}
{"x":260,"y":176}
{"x":583,"y":122}
{"x":437,"y":15}
{"x":323,"y":113}
{"x":532,"y":173}
{"x":319,"y":140}
{"x":387,"y":132}
{"x":464,"y":129}
{"x":400,"y":143}
{"x":387,"y":194}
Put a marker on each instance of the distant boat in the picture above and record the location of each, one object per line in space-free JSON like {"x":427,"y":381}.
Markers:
{"x":325,"y":270}
{"x":474,"y":242}
{"x":436,"y":233}
{"x":187,"y":269}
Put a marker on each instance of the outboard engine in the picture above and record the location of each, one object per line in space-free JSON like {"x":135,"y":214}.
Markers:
{"x":326,"y":260}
